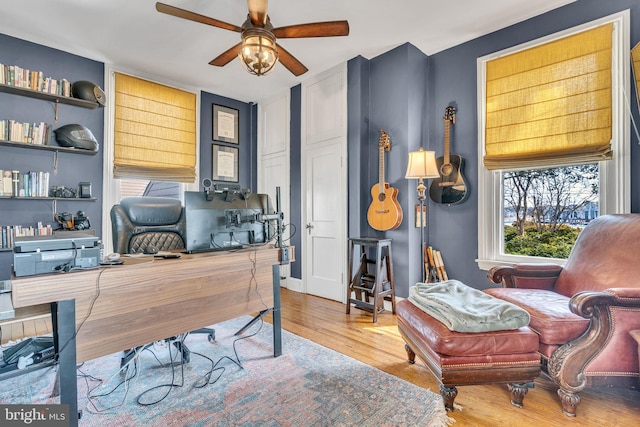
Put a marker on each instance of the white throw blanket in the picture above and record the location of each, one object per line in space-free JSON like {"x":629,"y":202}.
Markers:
{"x":465,"y":309}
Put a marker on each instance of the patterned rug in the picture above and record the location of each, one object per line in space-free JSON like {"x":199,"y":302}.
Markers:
{"x":233,"y":382}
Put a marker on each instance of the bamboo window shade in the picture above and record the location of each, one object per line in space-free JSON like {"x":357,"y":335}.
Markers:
{"x":635,"y":60}
{"x":155,"y":131}
{"x":550,"y":105}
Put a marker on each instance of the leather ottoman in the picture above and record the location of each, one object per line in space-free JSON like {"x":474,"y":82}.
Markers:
{"x":463,"y":358}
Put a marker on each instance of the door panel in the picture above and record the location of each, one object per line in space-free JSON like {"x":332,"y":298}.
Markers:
{"x":324,"y":190}
{"x":324,"y":227}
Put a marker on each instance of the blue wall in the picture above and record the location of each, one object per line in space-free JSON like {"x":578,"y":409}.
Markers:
{"x":247,"y":165}
{"x":296,"y":227}
{"x":386,"y":92}
{"x":454,"y":79}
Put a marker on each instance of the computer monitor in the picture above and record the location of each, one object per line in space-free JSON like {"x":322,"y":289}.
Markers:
{"x":226,"y":219}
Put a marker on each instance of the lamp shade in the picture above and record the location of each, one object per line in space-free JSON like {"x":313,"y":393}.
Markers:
{"x":422,"y":164}
{"x":258,"y":52}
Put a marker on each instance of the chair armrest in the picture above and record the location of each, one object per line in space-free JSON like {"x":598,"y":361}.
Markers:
{"x":566,"y":365}
{"x":584,"y":303}
{"x":538,"y":276}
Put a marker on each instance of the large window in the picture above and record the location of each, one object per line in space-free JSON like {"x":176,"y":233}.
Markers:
{"x":553,"y":137}
{"x":151,"y":142}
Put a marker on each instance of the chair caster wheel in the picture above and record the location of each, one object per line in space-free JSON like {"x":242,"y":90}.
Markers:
{"x":211,"y":337}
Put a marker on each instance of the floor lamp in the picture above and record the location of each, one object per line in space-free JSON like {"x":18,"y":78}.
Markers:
{"x":422,"y":165}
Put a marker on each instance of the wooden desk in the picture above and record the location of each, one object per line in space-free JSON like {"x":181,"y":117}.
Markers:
{"x":121,"y":307}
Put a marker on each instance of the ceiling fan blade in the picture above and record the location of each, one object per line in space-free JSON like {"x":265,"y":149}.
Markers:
{"x":226,"y":57}
{"x":196,"y":17}
{"x":290,"y":62}
{"x":258,"y":12}
{"x":315,"y":29}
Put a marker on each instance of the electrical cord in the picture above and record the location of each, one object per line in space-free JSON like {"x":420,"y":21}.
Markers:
{"x":171,"y":384}
{"x":207,"y":377}
{"x":89,"y":310}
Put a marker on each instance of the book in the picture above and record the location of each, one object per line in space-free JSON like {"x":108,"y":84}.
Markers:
{"x":15,"y":183}
{"x":7,"y":183}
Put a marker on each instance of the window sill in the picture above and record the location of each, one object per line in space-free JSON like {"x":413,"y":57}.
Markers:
{"x":487,"y":264}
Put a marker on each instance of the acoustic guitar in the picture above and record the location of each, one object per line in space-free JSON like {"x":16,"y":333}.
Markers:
{"x":385,"y":213}
{"x":450,"y":187}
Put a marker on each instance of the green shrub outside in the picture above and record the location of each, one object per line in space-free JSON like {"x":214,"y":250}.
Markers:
{"x":543,"y":243}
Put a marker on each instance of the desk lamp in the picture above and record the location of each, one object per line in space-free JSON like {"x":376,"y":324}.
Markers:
{"x":422,"y":165}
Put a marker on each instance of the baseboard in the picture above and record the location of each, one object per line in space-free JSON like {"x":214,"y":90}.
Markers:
{"x":294,"y":284}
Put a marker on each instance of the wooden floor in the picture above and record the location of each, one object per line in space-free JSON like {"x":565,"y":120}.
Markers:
{"x":380,"y":345}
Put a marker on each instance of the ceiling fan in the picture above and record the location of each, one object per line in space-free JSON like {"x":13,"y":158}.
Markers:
{"x":258,"y":49}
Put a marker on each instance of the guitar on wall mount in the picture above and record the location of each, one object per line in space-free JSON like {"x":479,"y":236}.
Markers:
{"x":385,"y":213}
{"x":449,"y":188}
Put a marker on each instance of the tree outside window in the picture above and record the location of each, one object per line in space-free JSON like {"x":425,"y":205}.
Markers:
{"x":545,"y":209}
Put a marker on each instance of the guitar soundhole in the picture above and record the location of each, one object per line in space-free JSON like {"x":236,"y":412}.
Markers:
{"x":382,"y":196}
{"x":446,"y":170}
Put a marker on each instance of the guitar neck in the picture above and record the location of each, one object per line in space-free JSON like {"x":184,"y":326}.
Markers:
{"x":381,"y":168}
{"x":447,"y":159}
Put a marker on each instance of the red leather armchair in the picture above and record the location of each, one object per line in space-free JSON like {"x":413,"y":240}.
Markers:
{"x":584,"y":312}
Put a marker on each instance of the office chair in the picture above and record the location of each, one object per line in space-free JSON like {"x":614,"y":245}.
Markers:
{"x":150,"y":225}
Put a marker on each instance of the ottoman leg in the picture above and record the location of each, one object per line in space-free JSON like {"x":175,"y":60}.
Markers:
{"x":518,"y":391}
{"x":411,"y":355}
{"x":448,"y":396}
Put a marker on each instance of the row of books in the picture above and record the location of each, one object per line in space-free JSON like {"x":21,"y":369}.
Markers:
{"x":24,"y":184}
{"x":14,"y":75}
{"x":29,"y":133}
{"x":10,"y":232}
{"x":434,"y":266}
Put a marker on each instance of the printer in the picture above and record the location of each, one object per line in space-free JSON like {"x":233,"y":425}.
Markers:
{"x":50,"y":254}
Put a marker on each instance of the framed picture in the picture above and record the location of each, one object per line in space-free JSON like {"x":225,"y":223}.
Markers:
{"x":224,"y":163}
{"x":225,"y":124}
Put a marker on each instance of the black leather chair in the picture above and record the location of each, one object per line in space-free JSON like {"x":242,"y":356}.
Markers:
{"x":150,"y":225}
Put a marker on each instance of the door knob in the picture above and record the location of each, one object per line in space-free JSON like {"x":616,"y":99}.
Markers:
{"x":308,"y":227}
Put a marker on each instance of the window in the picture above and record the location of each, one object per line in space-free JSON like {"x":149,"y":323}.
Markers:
{"x":151,"y":142}
{"x":154,"y":131}
{"x":538,"y":130}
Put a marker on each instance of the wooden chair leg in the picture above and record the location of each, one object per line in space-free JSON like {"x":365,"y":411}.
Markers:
{"x":518,"y":391}
{"x":411,"y":356}
{"x":448,"y":396}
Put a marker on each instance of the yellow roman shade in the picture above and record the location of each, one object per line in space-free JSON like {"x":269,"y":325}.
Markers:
{"x":550,"y":105}
{"x":635,"y":60}
{"x":155,"y":131}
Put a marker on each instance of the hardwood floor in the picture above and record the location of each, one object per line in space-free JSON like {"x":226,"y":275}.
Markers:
{"x":325,"y":322}
{"x":379,"y":344}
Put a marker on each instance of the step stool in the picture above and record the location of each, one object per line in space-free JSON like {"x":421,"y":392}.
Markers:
{"x":372,"y":278}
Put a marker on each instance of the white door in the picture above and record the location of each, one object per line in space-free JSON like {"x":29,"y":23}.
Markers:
{"x":324,"y":147}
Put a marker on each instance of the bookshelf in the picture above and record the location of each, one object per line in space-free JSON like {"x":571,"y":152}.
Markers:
{"x":47,"y":147}
{"x":58,"y":99}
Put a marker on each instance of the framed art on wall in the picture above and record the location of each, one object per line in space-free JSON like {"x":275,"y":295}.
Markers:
{"x":225,"y":124}
{"x":224,"y":163}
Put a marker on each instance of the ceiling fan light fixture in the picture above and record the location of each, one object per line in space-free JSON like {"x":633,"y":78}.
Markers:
{"x":258,"y":52}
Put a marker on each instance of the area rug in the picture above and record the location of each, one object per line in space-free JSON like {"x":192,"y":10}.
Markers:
{"x":309,"y":385}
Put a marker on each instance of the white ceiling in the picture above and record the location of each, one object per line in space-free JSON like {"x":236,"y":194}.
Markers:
{"x":132,"y":36}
